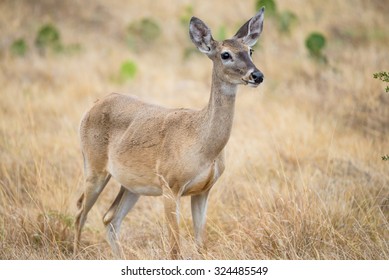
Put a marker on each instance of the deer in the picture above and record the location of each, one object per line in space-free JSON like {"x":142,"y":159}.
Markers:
{"x":156,"y":151}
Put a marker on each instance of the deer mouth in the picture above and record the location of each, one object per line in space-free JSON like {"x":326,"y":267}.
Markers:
{"x":250,"y":83}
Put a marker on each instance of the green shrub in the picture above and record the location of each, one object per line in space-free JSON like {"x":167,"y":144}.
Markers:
{"x":142,"y":32}
{"x":186,"y":16}
{"x":315,"y":42}
{"x":48,"y":36}
{"x":383,"y":76}
{"x":19,"y":47}
{"x":270,"y":6}
{"x":285,"y":21}
{"x":128,"y":70}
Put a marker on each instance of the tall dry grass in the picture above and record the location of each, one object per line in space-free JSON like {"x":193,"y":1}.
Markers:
{"x":304,"y":177}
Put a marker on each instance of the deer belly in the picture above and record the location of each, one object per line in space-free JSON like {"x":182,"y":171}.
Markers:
{"x":136,"y":181}
{"x":203,"y":181}
{"x":145,"y":190}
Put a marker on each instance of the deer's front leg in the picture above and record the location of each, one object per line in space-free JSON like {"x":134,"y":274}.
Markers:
{"x":199,"y":205}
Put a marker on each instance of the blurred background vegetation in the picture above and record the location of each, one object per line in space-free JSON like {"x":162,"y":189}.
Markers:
{"x":305,"y":172}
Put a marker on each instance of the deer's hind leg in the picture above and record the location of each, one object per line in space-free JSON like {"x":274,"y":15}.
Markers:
{"x":94,"y":185}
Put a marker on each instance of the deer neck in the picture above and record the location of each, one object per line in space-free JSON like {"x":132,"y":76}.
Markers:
{"x":218,"y":116}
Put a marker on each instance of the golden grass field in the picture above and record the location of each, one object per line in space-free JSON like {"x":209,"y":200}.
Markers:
{"x":304,"y":176}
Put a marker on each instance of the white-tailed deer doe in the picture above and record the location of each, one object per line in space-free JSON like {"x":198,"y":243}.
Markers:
{"x":153,"y":151}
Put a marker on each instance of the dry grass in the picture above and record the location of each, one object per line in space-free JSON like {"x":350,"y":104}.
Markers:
{"x":304,"y":177}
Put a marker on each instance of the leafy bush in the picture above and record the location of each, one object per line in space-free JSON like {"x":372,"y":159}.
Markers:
{"x":383,"y":76}
{"x":285,"y":20}
{"x":186,"y":16}
{"x":128,"y":70}
{"x":315,"y":42}
{"x":270,"y":6}
{"x":142,"y":32}
{"x":19,"y":47}
{"x":48,"y":36}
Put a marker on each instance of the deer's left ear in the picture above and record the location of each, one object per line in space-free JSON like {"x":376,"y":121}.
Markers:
{"x":250,"y":31}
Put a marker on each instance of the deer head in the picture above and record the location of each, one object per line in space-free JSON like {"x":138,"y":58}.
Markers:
{"x":232,"y":57}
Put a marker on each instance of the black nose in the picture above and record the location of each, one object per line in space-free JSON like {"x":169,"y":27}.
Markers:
{"x":257,"y":76}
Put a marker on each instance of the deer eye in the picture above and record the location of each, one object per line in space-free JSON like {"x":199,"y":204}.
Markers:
{"x":251,"y":52}
{"x":225,"y":55}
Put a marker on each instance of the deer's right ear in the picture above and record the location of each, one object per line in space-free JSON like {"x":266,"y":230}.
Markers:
{"x":250,"y":31}
{"x":201,"y":35}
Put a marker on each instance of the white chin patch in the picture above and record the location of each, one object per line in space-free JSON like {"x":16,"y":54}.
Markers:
{"x":253,"y":85}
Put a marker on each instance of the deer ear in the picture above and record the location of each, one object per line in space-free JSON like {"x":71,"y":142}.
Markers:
{"x":250,"y":31}
{"x":201,"y":35}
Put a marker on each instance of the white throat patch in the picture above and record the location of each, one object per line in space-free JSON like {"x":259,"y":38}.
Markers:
{"x":228,"y":89}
